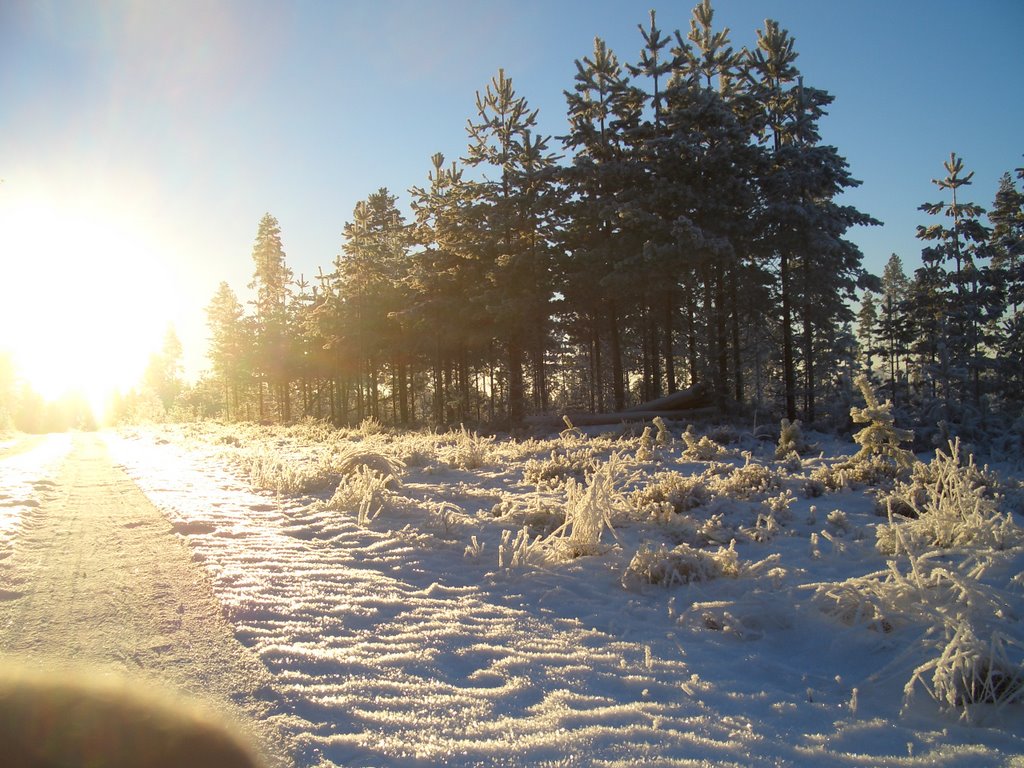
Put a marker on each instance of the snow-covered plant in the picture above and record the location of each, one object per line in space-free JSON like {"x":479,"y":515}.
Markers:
{"x":680,"y":492}
{"x":746,"y":482}
{"x":881,"y":437}
{"x":365,"y":490}
{"x":269,"y":470}
{"x":350,"y":457}
{"x":539,"y":515}
{"x":470,"y":450}
{"x":953,"y":508}
{"x":680,"y":565}
{"x":645,"y":449}
{"x":369,"y":427}
{"x":520,"y":551}
{"x":563,"y":463}
{"x":700,"y":448}
{"x":972,"y":671}
{"x":589,"y":512}
{"x":791,"y":440}
{"x":571,"y":433}
{"x":664,"y":436}
{"x":839,"y":521}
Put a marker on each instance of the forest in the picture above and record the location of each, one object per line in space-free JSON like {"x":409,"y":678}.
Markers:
{"x":687,"y":230}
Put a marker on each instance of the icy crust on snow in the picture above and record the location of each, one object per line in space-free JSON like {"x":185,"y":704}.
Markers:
{"x":26,"y":480}
{"x":419,"y":600}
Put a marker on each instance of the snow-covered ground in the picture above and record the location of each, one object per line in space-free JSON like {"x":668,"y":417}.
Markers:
{"x":27,"y":468}
{"x":704,"y":603}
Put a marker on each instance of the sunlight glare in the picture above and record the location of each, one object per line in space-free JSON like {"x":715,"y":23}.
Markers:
{"x":84,"y":299}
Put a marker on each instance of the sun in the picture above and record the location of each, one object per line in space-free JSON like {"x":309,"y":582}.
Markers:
{"x":84,"y":297}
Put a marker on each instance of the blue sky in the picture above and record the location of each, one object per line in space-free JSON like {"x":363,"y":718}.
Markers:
{"x":177,"y":125}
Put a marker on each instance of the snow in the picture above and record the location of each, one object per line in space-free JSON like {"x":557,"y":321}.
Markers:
{"x":406,"y":620}
{"x":25,"y":477}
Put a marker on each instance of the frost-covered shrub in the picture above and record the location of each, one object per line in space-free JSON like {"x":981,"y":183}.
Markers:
{"x":954,"y":508}
{"x":349,"y":458}
{"x":664,"y":436}
{"x":746,"y":482}
{"x":880,"y":438}
{"x":680,"y":565}
{"x":365,"y":491}
{"x":537,"y":515}
{"x":589,"y":512}
{"x":700,"y":448}
{"x":369,"y":427}
{"x":268,"y":470}
{"x":791,"y":440}
{"x":681,"y":492}
{"x":873,"y":471}
{"x":470,"y":450}
{"x":561,"y":465}
{"x":971,"y":671}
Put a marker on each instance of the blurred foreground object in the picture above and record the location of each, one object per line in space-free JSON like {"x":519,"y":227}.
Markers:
{"x":70,"y":720}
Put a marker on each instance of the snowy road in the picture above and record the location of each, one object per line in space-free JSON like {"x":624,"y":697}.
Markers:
{"x":93,"y":579}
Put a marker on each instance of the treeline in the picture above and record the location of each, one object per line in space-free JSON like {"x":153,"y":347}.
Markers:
{"x":948,"y":342}
{"x":691,"y":232}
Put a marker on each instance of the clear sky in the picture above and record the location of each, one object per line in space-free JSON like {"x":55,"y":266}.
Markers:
{"x":141,"y":142}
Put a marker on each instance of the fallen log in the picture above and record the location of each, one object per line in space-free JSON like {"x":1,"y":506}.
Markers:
{"x":600,"y":419}
{"x":693,"y":397}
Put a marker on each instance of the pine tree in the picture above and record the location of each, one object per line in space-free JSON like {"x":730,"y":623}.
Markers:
{"x":1007,"y":244}
{"x":511,"y":228}
{"x":272,"y":283}
{"x":595,"y":292}
{"x":372,"y":278}
{"x":867,"y":331}
{"x":894,"y":326}
{"x":819,"y":270}
{"x":969,"y":296}
{"x":230,"y":349}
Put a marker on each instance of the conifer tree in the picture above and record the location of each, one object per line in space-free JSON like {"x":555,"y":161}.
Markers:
{"x":1007,"y":244}
{"x":372,"y":277}
{"x":272,"y":283}
{"x":968,"y":295}
{"x":599,"y":105}
{"x":867,"y":331}
{"x":230,"y":350}
{"x":894,"y":326}
{"x":511,"y":221}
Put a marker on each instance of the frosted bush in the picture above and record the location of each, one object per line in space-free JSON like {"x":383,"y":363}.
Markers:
{"x":589,"y":512}
{"x":971,"y":671}
{"x":746,"y":482}
{"x":539,"y":516}
{"x":561,"y":465}
{"x":268,"y":470}
{"x":470,"y":450}
{"x":369,"y":427}
{"x":953,"y":508}
{"x":880,"y":438}
{"x":700,"y":448}
{"x":791,"y":440}
{"x":681,"y":492}
{"x":664,"y":436}
{"x":680,"y":565}
{"x":349,"y":458}
{"x":365,"y":491}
